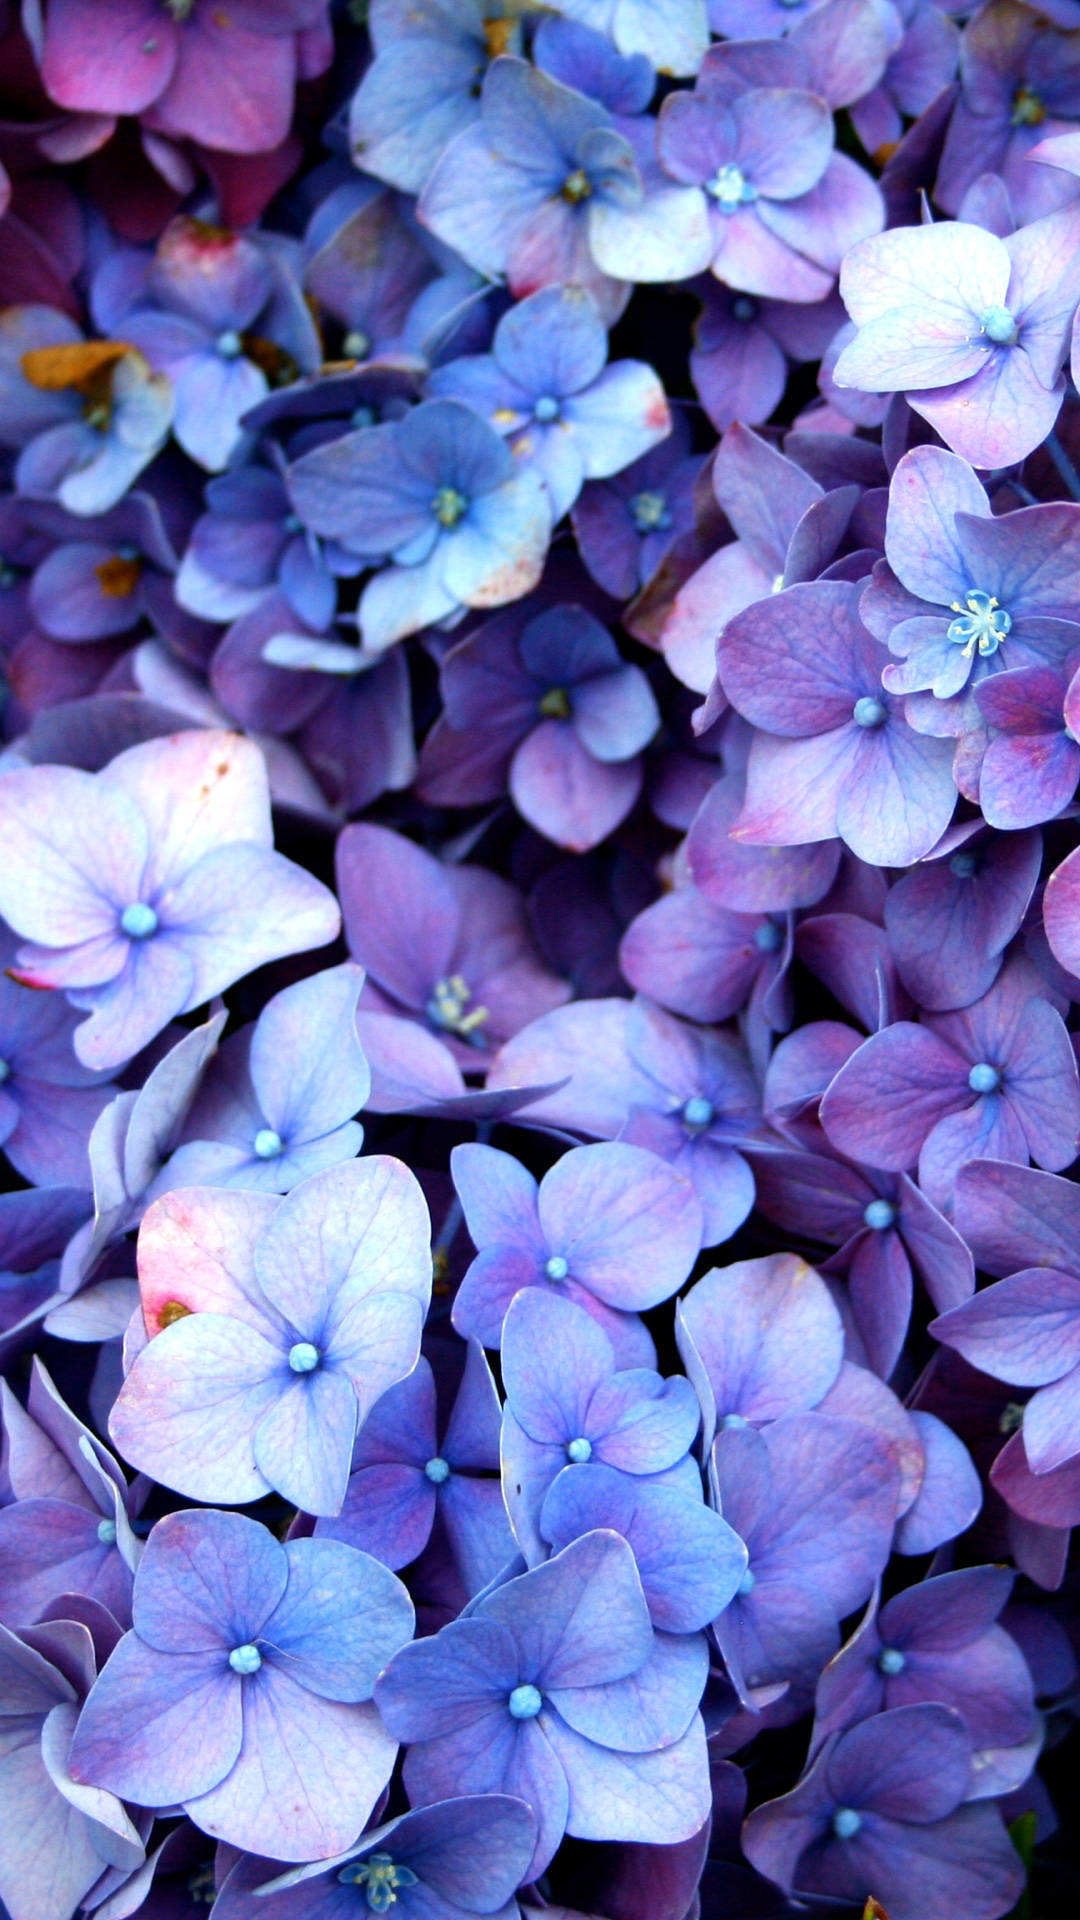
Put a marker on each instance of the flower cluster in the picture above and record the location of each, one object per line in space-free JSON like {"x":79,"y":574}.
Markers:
{"x":539,"y":958}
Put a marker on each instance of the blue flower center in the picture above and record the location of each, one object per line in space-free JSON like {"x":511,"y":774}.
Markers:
{"x":556,"y":1268}
{"x":999,"y":326}
{"x":698,"y":1113}
{"x":180,"y":9}
{"x":732,"y":1422}
{"x":303,"y":1357}
{"x":649,"y":511}
{"x":380,"y":1878}
{"x":879,"y":1214}
{"x":229,"y":344}
{"x":980,"y":624}
{"x":438,"y":1471}
{"x":449,"y":506}
{"x":743,"y":308}
{"x":525,"y":1702}
{"x":267,"y":1144}
{"x":846,"y":1823}
{"x":106,"y":1532}
{"x":546,"y":409}
{"x":891,"y":1661}
{"x":5,"y":1071}
{"x":869,"y":712}
{"x":362,"y":417}
{"x":746,"y":1584}
{"x":730,"y":188}
{"x":768,"y":938}
{"x":984,"y":1078}
{"x":356,"y":344}
{"x":449,"y":1007}
{"x":245,"y":1659}
{"x":139,"y":920}
{"x":8,"y":576}
{"x":964,"y":865}
{"x":578,"y":1451}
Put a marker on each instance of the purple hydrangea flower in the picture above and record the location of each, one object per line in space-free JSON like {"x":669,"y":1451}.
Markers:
{"x":544,"y":1686}
{"x":997,"y":1080}
{"x":950,"y":922}
{"x":814,"y":1499}
{"x":883,"y":1810}
{"x":225,"y":78}
{"x":1019,"y":85}
{"x":611,"y":1227}
{"x":439,"y":494}
{"x":633,"y":1071}
{"x":833,"y":754}
{"x":405,"y":1482}
{"x":279,"y":1099}
{"x":143,"y":890}
{"x":244,"y":1691}
{"x":454,"y":1859}
{"x":549,"y":709}
{"x":105,"y":573}
{"x":251,"y":541}
{"x":546,"y":387}
{"x":758,"y":1339}
{"x":522,"y":193}
{"x":625,"y":525}
{"x":938,"y":1641}
{"x":447,"y":945}
{"x":972,"y":329}
{"x":965,"y":592}
{"x":279,"y":1321}
{"x":567,"y":1401}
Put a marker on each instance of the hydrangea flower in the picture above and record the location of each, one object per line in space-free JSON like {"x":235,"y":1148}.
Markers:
{"x":48,"y":1100}
{"x":566,"y":1401}
{"x":278,"y":1101}
{"x":884,"y":1809}
{"x":543,"y":1686}
{"x":549,"y":709}
{"x":1019,"y":85}
{"x":143,"y":890}
{"x":612,"y":1228}
{"x":545,"y":386}
{"x":437,"y":493}
{"x":457,"y":1857}
{"x":244,"y":1691}
{"x":973,"y":330}
{"x":225,"y":78}
{"x":277,"y":1324}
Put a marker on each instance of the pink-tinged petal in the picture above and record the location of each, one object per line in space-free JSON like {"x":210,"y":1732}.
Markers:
{"x":196,"y":1249}
{"x":659,"y":1798}
{"x":116,"y":59}
{"x":585,"y":1042}
{"x":1061,"y":913}
{"x":207,"y":1582}
{"x":196,"y":791}
{"x":1049,"y":1499}
{"x":1026,"y":1329}
{"x":157,"y":1726}
{"x":189,"y":1407}
{"x":1003,"y":412}
{"x":307,"y":1777}
{"x":73,"y":859}
{"x":898,"y":797}
{"x":667,"y":237}
{"x":793,"y":788}
{"x":567,"y":795}
{"x":749,"y":256}
{"x":844,"y":207}
{"x":912,"y":347}
{"x":249,"y":108}
{"x":627,"y":1224}
{"x":894,"y":1089}
{"x":742,"y":877}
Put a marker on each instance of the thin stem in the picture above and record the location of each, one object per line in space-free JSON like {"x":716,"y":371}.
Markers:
{"x":1064,"y":465}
